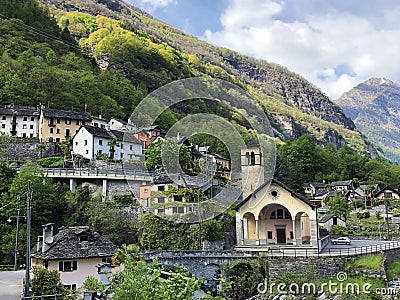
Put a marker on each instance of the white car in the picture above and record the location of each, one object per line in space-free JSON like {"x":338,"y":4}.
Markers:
{"x":344,"y":240}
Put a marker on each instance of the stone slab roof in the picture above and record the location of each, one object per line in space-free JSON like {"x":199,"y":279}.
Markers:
{"x":66,"y":245}
{"x":66,"y":114}
{"x":19,"y":110}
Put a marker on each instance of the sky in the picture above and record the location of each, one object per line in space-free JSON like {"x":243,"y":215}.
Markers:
{"x":335,"y":44}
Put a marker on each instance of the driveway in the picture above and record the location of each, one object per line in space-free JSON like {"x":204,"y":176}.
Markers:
{"x":11,"y":284}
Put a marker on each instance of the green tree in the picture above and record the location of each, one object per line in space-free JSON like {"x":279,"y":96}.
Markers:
{"x":112,"y":144}
{"x":141,"y":281}
{"x":121,"y":254}
{"x":40,"y":148}
{"x":338,"y":205}
{"x":167,"y":149}
{"x":46,"y":282}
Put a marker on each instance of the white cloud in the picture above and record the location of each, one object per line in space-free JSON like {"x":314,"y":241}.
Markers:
{"x":333,"y":47}
{"x":152,"y":5}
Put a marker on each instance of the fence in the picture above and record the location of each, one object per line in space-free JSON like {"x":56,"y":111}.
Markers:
{"x":95,"y":172}
{"x":336,"y":252}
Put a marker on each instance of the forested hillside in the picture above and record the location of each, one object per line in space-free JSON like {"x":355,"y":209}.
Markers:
{"x":131,"y":44}
{"x":42,"y":64}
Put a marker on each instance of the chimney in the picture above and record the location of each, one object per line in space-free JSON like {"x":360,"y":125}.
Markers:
{"x":39,"y":243}
{"x":99,"y":116}
{"x":47,"y":236}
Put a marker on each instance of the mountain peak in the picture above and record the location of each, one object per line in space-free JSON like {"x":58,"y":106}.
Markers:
{"x":374,"y":106}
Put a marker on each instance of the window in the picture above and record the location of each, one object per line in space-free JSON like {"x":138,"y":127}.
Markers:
{"x":122,"y":146}
{"x":25,"y":118}
{"x":287,"y":215}
{"x":100,"y":151}
{"x":31,"y":135}
{"x":130,"y":147}
{"x":70,"y":286}
{"x":146,"y":190}
{"x":77,"y":122}
{"x":31,"y":126}
{"x":24,"y":126}
{"x":58,"y":121}
{"x":85,"y":142}
{"x":101,"y":142}
{"x":106,"y":260}
{"x":51,"y":130}
{"x":83,"y":123}
{"x":68,"y":266}
{"x":161,"y":188}
{"x":58,"y":130}
{"x":161,"y":200}
{"x":76,"y":143}
{"x":84,"y":238}
{"x":178,"y":210}
{"x":252,"y":159}
{"x":96,"y":124}
{"x":270,"y":235}
{"x":160,"y":210}
{"x":57,"y":140}
{"x":121,"y":155}
{"x":273,"y":215}
{"x":279,"y":213}
{"x":68,"y":121}
{"x":24,"y":134}
{"x":32,"y":118}
{"x":388,"y":195}
{"x":3,"y":125}
{"x":87,"y":151}
{"x":291,"y":235}
{"x":67,"y":132}
{"x":178,"y":198}
{"x":3,"y":117}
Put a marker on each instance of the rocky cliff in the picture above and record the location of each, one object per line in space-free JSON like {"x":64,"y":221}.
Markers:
{"x":374,"y":106}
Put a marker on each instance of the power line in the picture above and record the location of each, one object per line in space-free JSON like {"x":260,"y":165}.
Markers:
{"x":46,"y":35}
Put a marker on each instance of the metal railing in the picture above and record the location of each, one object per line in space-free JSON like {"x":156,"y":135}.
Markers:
{"x":95,"y":172}
{"x":371,"y":249}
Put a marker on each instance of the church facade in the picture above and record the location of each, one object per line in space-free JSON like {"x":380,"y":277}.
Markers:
{"x":271,"y":214}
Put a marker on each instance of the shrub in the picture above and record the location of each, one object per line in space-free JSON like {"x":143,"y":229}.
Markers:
{"x":51,"y":162}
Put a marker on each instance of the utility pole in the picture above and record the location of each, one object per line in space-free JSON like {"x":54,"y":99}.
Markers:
{"x":16,"y":235}
{"x":28,"y":243}
{"x":387,"y":218}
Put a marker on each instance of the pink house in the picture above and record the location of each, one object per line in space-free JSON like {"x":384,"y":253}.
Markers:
{"x":76,"y":252}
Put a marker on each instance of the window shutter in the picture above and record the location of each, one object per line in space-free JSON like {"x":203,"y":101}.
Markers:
{"x":74,"y":265}
{"x":60,"y":266}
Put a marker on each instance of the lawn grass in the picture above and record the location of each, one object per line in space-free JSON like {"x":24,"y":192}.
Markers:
{"x":393,"y":270}
{"x":370,"y":262}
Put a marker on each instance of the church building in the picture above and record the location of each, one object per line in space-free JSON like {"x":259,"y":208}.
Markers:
{"x":271,"y":215}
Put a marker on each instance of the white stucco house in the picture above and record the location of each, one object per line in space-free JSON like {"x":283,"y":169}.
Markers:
{"x":90,"y":141}
{"x":20,"y":121}
{"x":118,"y":124}
{"x":75,"y":252}
{"x":329,"y":220}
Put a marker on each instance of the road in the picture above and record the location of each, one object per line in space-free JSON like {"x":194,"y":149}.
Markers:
{"x":357,"y":245}
{"x":11,"y":284}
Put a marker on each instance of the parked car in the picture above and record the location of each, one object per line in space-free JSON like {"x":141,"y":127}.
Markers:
{"x":344,"y":240}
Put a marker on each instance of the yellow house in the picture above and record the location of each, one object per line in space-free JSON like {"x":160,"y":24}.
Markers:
{"x":59,"y":125}
{"x":76,"y":252}
{"x":271,"y":214}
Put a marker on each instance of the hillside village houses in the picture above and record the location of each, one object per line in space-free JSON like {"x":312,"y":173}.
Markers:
{"x":91,"y":141}
{"x":20,"y":121}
